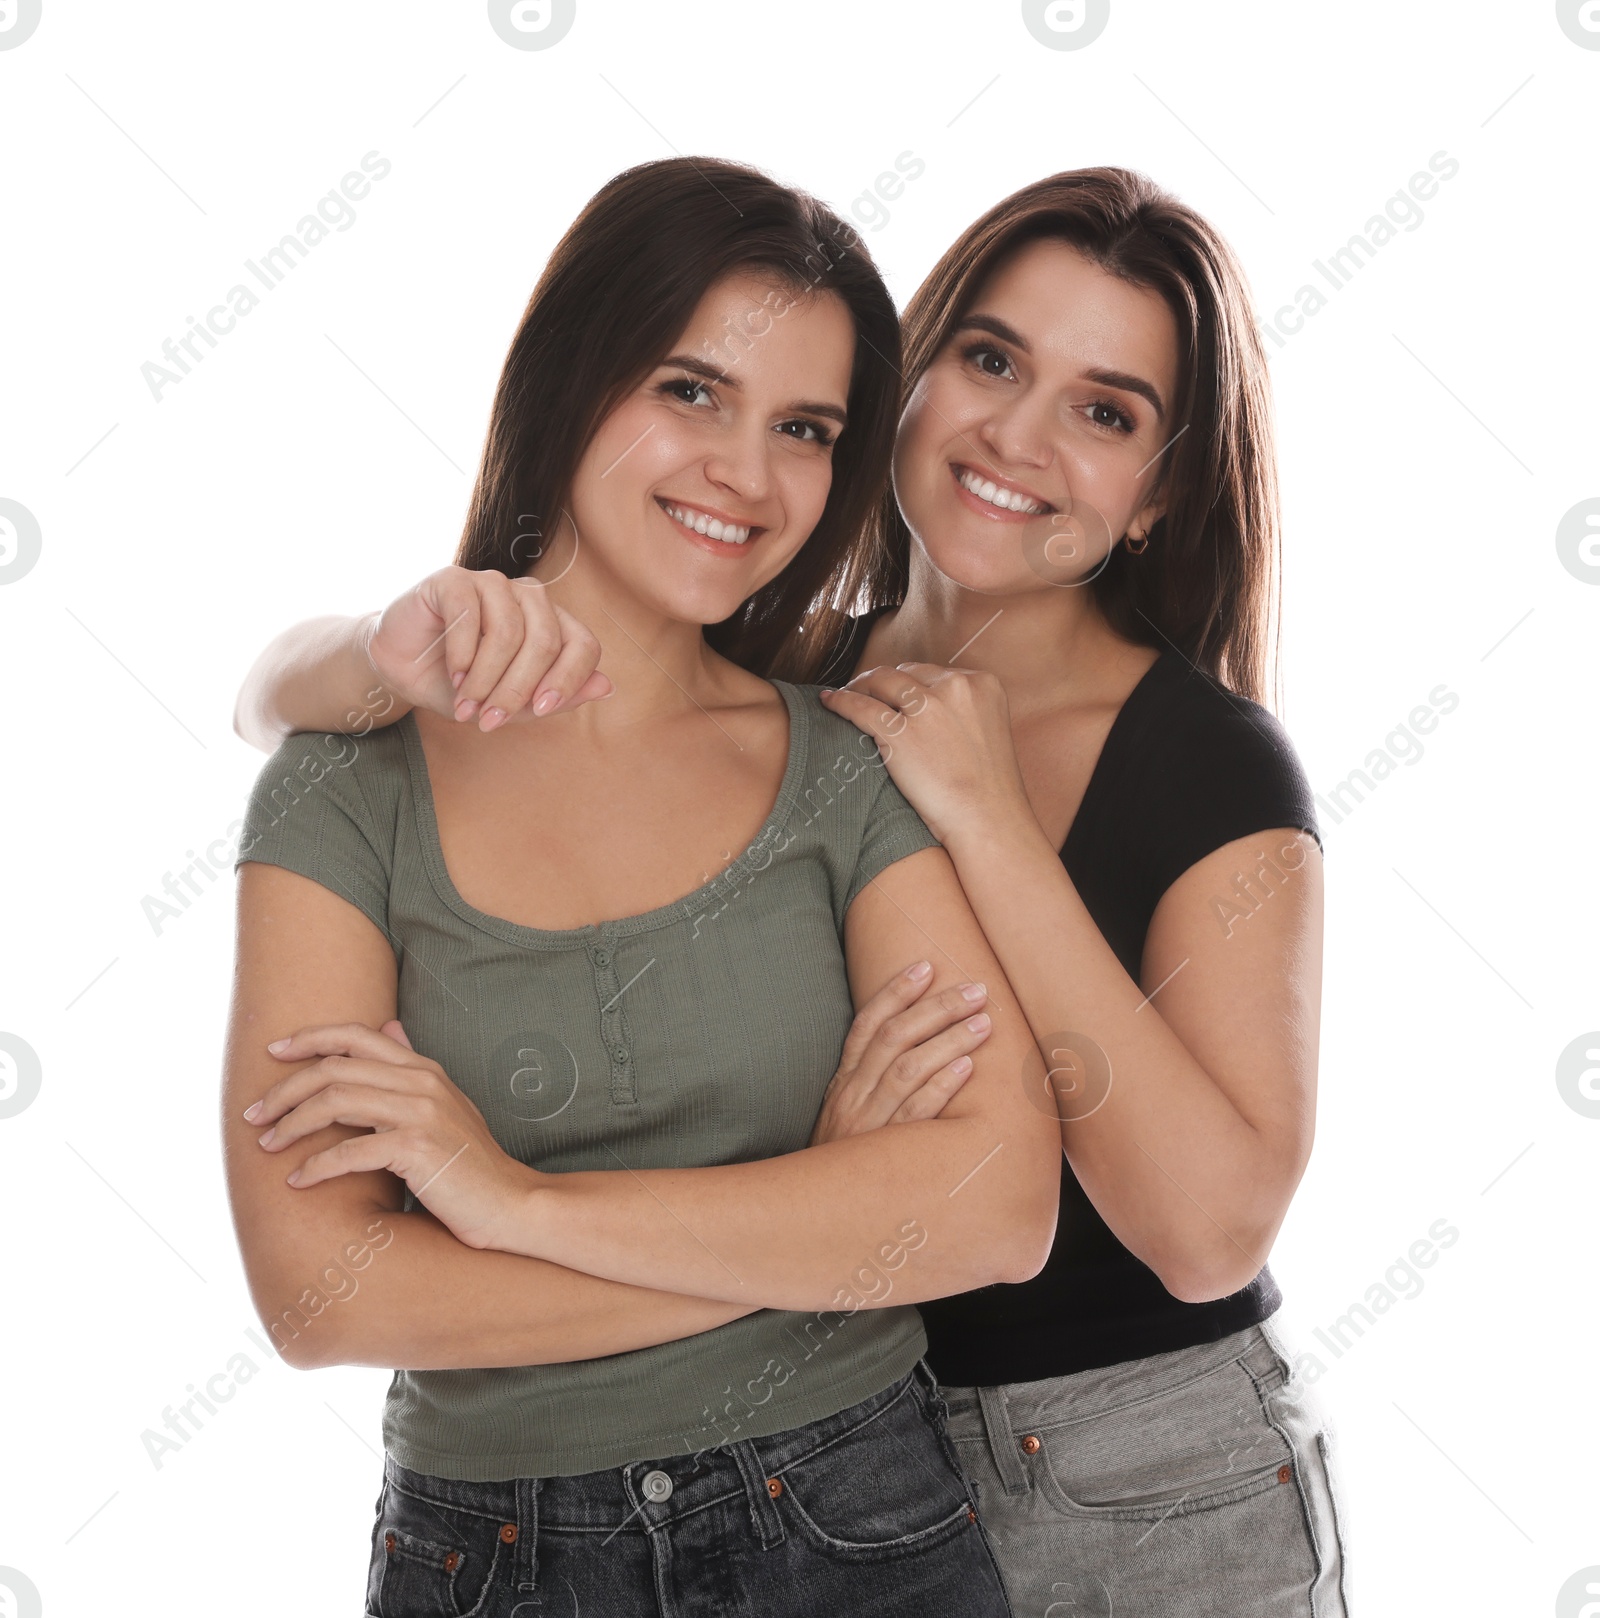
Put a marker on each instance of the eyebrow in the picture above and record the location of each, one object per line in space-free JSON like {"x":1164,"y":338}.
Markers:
{"x":1125,"y":380}
{"x":713,"y":373}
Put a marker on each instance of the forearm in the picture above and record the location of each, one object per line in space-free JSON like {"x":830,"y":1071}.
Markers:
{"x":1185,"y":1182}
{"x":408,"y":1294}
{"x":315,"y":677}
{"x":791,"y":1232}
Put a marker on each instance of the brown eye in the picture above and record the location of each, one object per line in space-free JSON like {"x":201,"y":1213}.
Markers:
{"x":685,"y":389}
{"x":988,"y":359}
{"x":1119,"y":419}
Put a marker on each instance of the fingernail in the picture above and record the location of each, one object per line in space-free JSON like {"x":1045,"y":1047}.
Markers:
{"x":962,"y":1065}
{"x":492,"y":717}
{"x":266,"y":1139}
{"x":294,"y":1179}
{"x":252,"y":1110}
{"x":974,"y":992}
{"x":457,"y":678}
{"x":918,"y":972}
{"x":980,"y":1023}
{"x":466,"y":708}
{"x":276,"y":1046}
{"x":825,"y":690}
{"x":548,"y":701}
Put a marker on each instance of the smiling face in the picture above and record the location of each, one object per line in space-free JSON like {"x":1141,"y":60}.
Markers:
{"x":705,"y":480}
{"x":1033,"y":441}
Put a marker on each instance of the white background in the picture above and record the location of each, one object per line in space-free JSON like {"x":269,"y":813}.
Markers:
{"x":1437,"y":420}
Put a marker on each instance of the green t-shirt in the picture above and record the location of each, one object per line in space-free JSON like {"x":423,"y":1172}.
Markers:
{"x":702,"y":1032}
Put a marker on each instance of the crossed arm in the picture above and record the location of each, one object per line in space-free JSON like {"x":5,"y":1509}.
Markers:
{"x":590,"y":1278}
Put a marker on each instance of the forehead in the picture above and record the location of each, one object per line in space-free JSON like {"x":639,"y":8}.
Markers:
{"x":773,"y":336}
{"x":1073,"y":312}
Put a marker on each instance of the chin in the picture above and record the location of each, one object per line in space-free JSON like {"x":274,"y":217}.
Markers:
{"x":993,"y":569}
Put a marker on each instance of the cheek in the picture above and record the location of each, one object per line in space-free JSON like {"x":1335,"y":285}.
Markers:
{"x":635,"y":450}
{"x":1105,"y":476}
{"x":925,"y":424}
{"x":805,"y":483}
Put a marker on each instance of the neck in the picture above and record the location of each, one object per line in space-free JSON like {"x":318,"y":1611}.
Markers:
{"x":1046,"y":646}
{"x":659,"y":664}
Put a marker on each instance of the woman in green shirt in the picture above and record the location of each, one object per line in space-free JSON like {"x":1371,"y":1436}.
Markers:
{"x":652,"y":1337}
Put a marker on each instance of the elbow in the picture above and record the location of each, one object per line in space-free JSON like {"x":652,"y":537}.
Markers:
{"x":307,"y":1342}
{"x":1032,"y":1236}
{"x":1205,"y":1278}
{"x":302,"y":1355}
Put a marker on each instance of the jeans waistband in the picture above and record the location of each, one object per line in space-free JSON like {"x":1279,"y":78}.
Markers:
{"x":645,"y":1496}
{"x":1008,"y":1412}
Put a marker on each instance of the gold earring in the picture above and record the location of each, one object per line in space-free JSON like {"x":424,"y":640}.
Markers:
{"x":1143,"y":541}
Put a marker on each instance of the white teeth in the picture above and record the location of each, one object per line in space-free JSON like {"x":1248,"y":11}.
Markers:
{"x":1006,"y":499}
{"x":712,"y":527}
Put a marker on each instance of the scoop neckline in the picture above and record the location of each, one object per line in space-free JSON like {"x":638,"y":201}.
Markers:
{"x":512,"y":932}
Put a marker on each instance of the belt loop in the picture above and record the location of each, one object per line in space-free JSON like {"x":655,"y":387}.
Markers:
{"x":525,"y":1553}
{"x":936,"y":1400}
{"x":764,"y":1518}
{"x":1002,"y":1442}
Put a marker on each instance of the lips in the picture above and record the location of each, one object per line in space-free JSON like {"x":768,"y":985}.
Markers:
{"x":708,"y":526}
{"x":1000,"y":496}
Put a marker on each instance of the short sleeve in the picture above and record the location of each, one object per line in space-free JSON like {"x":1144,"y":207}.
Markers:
{"x":893,"y":830}
{"x":310,"y":812}
{"x":1242,"y":776}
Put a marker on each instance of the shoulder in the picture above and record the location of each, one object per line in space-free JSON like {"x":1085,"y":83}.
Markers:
{"x":1190,"y":767}
{"x":834,"y":749}
{"x":314,"y":784}
{"x":1193,"y":723}
{"x":847,"y":801}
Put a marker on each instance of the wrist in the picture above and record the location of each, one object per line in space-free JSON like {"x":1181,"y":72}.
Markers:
{"x":526,"y":1213}
{"x":366,"y":627}
{"x":1004,"y":822}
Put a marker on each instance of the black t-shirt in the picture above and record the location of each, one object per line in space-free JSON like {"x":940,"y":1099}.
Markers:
{"x":1187,"y":767}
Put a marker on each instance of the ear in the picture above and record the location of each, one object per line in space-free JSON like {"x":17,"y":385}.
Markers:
{"x":1148,"y":515}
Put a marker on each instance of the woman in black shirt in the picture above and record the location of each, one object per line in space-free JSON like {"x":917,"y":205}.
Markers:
{"x":1084,"y":524}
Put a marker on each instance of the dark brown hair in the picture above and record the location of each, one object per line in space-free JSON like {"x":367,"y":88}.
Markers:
{"x":1208,"y":581}
{"x":617,"y":293}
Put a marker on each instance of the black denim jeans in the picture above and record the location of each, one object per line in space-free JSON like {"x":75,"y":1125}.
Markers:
{"x":866,"y":1511}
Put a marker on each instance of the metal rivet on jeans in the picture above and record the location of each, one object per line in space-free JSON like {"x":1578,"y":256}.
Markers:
{"x":657,"y":1486}
{"x":452,"y":1561}
{"x":508,"y":1533}
{"x":774,"y":1487}
{"x":1284,"y":1474}
{"x":1031,"y":1445}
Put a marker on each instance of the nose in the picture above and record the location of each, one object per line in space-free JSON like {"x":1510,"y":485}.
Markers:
{"x":1019,"y":433}
{"x":740,"y":463}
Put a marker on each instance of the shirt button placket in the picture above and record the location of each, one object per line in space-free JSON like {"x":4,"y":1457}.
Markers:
{"x":613,"y":1026}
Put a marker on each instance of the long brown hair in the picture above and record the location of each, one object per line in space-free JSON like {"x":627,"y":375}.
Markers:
{"x":617,"y":292}
{"x":1209,"y":579}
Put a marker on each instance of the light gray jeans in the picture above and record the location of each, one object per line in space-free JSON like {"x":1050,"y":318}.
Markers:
{"x":1195,"y":1483}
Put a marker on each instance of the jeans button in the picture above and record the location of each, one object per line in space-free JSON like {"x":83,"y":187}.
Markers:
{"x":657,"y":1486}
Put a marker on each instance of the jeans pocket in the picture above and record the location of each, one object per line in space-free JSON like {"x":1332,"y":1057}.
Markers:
{"x":1205,"y":1443}
{"x":429,"y":1559}
{"x":885,"y":1488}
